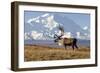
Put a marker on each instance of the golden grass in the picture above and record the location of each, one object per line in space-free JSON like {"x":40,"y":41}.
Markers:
{"x":43,"y":53}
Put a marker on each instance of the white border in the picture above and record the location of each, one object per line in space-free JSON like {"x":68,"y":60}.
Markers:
{"x":32,"y":64}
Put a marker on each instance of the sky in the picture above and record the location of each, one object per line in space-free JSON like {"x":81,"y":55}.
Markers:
{"x":33,"y":18}
{"x":79,"y":18}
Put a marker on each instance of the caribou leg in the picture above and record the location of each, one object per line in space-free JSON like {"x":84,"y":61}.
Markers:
{"x":74,"y":45}
{"x":65,"y":46}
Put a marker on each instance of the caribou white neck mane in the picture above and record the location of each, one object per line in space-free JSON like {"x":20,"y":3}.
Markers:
{"x":60,"y":42}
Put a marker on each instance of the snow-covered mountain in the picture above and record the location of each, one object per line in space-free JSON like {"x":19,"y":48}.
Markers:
{"x":45,"y":26}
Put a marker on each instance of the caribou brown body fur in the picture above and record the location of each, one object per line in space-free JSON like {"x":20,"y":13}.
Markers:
{"x":68,"y":42}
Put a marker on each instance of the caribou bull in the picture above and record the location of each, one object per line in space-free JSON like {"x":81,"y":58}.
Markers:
{"x":66,"y":42}
{"x":60,"y":40}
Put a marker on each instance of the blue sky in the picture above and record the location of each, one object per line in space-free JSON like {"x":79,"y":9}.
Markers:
{"x":42,"y":22}
{"x":81,"y":19}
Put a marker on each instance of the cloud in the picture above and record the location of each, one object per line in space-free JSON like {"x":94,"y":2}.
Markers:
{"x":37,"y":21}
{"x":47,"y":14}
{"x":27,"y":36}
{"x":33,"y":20}
{"x":43,"y":21}
{"x":33,"y":35}
{"x":85,"y":28}
{"x":67,"y":35}
{"x":36,"y":35}
{"x":50,"y":23}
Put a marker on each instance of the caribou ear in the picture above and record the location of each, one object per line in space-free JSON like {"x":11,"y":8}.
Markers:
{"x":55,"y":41}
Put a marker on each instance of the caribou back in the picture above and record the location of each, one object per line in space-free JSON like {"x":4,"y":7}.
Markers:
{"x":65,"y":41}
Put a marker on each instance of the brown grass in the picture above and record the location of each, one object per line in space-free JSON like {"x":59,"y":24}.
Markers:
{"x":41,"y":53}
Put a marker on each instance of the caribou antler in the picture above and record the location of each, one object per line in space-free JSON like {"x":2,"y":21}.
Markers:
{"x":56,"y":37}
{"x":61,"y":29}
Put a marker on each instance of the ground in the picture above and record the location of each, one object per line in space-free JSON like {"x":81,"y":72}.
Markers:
{"x":44,"y":53}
